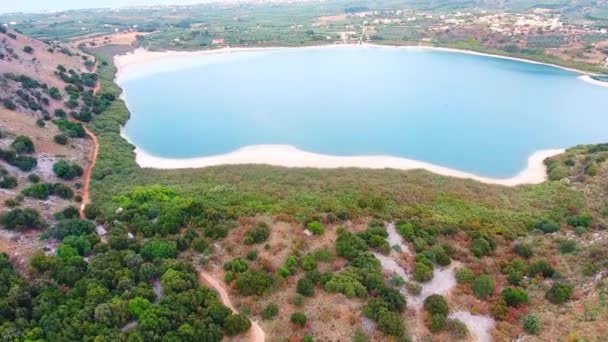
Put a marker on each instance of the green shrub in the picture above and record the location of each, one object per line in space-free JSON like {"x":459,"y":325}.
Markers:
{"x":483,"y":286}
{"x":308,"y":262}
{"x":567,"y":246}
{"x":514,"y":296}
{"x":349,"y":245}
{"x":258,"y":234}
{"x":67,"y":171}
{"x":21,"y":219}
{"x":70,"y":227}
{"x":540,"y":267}
{"x":298,"y":299}
{"x":580,"y":231}
{"x":481,"y":247}
{"x":531,"y":324}
{"x":91,"y":211}
{"x":23,"y":144}
{"x":393,"y":298}
{"x":305,"y":287}
{"x":390,"y":323}
{"x":437,"y":322}
{"x":270,"y":311}
{"x":298,"y":318}
{"x":465,"y":275}
{"x":316,"y":227}
{"x":581,"y":220}
{"x":158,"y":249}
{"x":457,"y":328}
{"x":373,"y":307}
{"x":559,"y":293}
{"x":255,"y":282}
{"x":61,"y":139}
{"x":236,"y":324}
{"x":422,"y":272}
{"x":252,"y":255}
{"x":62,"y":191}
{"x":238,"y":265}
{"x":33,"y":178}
{"x":523,"y":250}
{"x":9,"y":104}
{"x":436,"y":304}
{"x":346,"y":282}
{"x":8,"y":182}
{"x":547,"y":226}
{"x":28,"y":49}
{"x":39,"y":191}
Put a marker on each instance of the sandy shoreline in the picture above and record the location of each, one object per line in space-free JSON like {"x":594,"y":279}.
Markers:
{"x":290,"y":156}
{"x":142,"y":57}
{"x":589,"y":79}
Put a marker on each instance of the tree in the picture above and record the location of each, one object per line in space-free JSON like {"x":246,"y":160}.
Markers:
{"x":23,"y":144}
{"x":559,"y":293}
{"x":483,"y":286}
{"x":298,"y":318}
{"x":28,"y":49}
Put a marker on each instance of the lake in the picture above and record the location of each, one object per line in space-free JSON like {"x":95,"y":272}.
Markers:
{"x":478,"y":114}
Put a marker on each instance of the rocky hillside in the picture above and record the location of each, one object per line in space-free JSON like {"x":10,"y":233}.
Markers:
{"x":46,"y":90}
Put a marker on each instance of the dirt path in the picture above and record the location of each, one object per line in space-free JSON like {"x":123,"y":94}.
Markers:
{"x":256,"y":334}
{"x":86,"y":198}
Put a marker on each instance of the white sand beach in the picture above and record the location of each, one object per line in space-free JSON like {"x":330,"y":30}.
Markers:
{"x":289,"y":156}
{"x":141,"y":57}
{"x":138,"y":63}
{"x":589,"y":79}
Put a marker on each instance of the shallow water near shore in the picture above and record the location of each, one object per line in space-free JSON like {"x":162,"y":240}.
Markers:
{"x":478,"y":114}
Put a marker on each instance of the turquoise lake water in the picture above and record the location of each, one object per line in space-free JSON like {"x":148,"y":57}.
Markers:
{"x":477,"y":114}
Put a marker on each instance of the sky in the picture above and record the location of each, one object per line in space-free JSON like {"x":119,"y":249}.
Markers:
{"x":10,"y":6}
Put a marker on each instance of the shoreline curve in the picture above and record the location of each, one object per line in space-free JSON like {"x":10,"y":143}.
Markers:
{"x":292,"y":157}
{"x":142,"y":56}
